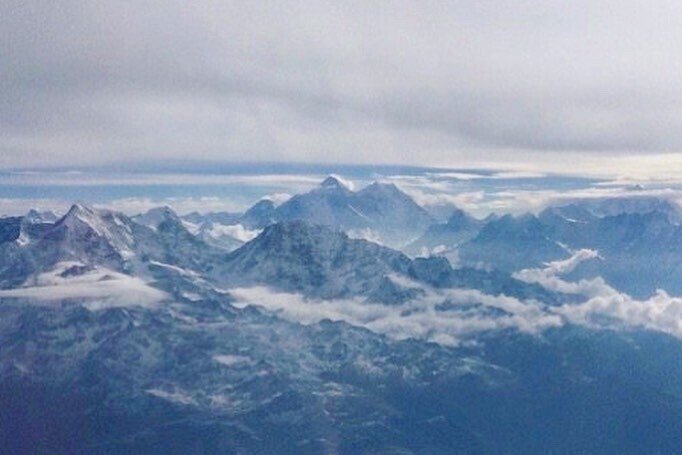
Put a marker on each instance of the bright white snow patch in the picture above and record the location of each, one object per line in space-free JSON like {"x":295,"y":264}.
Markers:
{"x":23,"y":239}
{"x":177,"y":396}
{"x":232,"y":360}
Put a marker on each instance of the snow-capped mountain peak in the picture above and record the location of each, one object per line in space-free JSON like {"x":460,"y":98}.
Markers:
{"x":85,"y":229}
{"x":337,"y":183}
{"x":154,"y":217}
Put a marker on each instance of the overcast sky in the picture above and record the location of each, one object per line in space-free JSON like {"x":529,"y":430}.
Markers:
{"x":548,"y":84}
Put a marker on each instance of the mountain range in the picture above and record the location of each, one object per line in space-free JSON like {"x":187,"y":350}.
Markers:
{"x":639,"y":251}
{"x":280,"y":331}
{"x":380,"y":210}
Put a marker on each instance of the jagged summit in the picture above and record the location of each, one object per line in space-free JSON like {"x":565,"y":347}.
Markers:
{"x":262,"y":205}
{"x":82,"y":216}
{"x":154,"y":217}
{"x":314,"y":259}
{"x":383,"y":208}
{"x":297,"y":237}
{"x":321,"y":261}
{"x":79,"y":209}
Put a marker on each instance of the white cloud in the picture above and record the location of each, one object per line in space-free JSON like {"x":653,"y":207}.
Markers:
{"x":604,"y":305}
{"x":420,"y":318}
{"x":434,"y":190}
{"x":19,"y":206}
{"x":451,"y":316}
{"x":345,"y":182}
{"x":440,"y":83}
{"x":101,"y":288}
{"x":178,"y":396}
{"x":236,"y":231}
{"x":548,"y":276}
{"x":278,"y":198}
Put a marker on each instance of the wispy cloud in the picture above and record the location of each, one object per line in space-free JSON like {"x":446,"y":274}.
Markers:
{"x":19,"y":206}
{"x":82,"y":178}
{"x":468,"y":312}
{"x":100,"y":288}
{"x":477,"y":196}
{"x":236,"y":231}
{"x":181,"y":205}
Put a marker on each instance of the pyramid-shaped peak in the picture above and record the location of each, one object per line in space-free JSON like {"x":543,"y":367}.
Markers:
{"x":81,"y":216}
{"x":79,"y":207}
{"x":336,"y":182}
{"x":80,"y":211}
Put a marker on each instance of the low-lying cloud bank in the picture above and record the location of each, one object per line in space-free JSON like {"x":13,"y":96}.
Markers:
{"x":451,"y":316}
{"x":100,"y":287}
{"x":443,"y":317}
{"x":606,"y":306}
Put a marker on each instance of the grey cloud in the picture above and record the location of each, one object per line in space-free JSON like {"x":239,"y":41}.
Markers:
{"x":427,"y":82}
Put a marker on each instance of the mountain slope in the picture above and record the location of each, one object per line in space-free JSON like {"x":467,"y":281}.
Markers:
{"x":639,"y":248}
{"x":206,"y":379}
{"x":443,"y":237}
{"x":320,"y":262}
{"x":442,"y":361}
{"x":512,"y":243}
{"x":315,"y":260}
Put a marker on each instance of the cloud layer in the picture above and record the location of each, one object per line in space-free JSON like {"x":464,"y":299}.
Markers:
{"x":489,"y":82}
{"x":424,"y":318}
{"x":451,"y":316}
